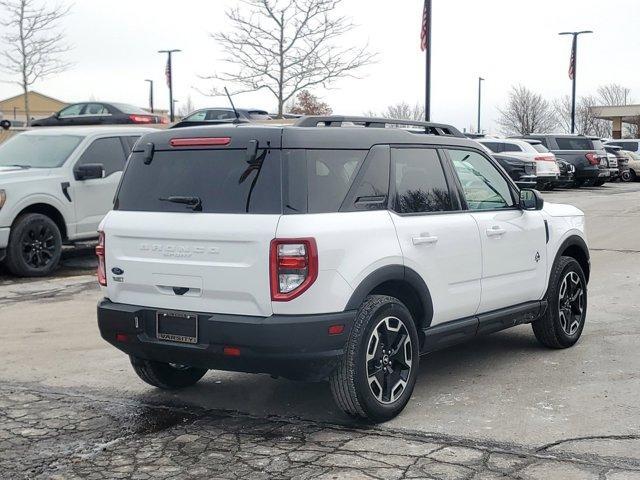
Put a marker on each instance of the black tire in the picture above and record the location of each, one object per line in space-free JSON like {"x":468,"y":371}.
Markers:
{"x":165,"y":375}
{"x":35,"y":246}
{"x":352,"y":390}
{"x":578,"y":183}
{"x":563,"y":322}
{"x":633,"y":176}
{"x":599,"y":183}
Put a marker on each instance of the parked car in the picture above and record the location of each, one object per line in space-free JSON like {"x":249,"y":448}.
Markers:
{"x":521,"y":171}
{"x":99,"y":113}
{"x":634,"y":165}
{"x":567,"y":174}
{"x":621,"y":164}
{"x":329,"y":253}
{"x":582,"y":152}
{"x":208,"y":116}
{"x":55,"y":186}
{"x":629,"y":144}
{"x":547,"y":171}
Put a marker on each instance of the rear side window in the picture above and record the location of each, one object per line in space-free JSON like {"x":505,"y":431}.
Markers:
{"x":222,"y":180}
{"x":512,"y":147}
{"x":574,"y":143}
{"x":420,"y":184}
{"x":106,"y":151}
{"x":538,"y":147}
{"x":495,"y":147}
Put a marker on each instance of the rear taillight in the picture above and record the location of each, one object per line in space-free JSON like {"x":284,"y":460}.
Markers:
{"x":141,"y":118}
{"x":200,"y":142}
{"x":102,"y":268}
{"x":293,"y":267}
{"x":545,"y":158}
{"x":592,"y":158}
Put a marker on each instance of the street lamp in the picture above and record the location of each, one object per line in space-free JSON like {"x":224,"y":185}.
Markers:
{"x":573,"y":72}
{"x":150,"y":94}
{"x":480,"y":80}
{"x":169,"y":74}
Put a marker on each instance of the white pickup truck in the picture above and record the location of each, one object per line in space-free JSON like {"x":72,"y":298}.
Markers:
{"x":56,"y":184}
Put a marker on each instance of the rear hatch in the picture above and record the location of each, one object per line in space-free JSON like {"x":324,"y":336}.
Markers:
{"x":192,"y":222}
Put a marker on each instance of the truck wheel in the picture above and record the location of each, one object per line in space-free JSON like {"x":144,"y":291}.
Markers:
{"x":377,"y":373}
{"x":166,"y":375}
{"x":599,"y":183}
{"x":35,"y":246}
{"x":563,"y":322}
{"x":633,"y":177}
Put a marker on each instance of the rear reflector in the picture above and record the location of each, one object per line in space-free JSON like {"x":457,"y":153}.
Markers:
{"x":546,"y":158}
{"x":231,"y":351}
{"x":122,"y":337}
{"x":199,"y":142}
{"x":336,"y":329}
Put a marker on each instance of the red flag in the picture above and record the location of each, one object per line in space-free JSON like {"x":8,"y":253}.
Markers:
{"x":424,"y":31}
{"x":167,"y":72}
{"x":572,"y":61}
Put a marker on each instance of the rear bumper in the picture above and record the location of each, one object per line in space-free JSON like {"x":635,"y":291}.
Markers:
{"x":587,"y":173}
{"x":295,"y":346}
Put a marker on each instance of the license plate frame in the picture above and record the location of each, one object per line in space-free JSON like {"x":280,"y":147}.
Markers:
{"x":177,"y":327}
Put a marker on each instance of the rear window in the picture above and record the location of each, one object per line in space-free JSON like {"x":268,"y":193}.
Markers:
{"x":574,"y":143}
{"x":222,"y":180}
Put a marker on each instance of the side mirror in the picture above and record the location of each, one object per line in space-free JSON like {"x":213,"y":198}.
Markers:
{"x":88,"y":171}
{"x":531,"y":199}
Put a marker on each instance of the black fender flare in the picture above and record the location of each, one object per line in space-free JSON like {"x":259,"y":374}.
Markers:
{"x":576,"y":242}
{"x":397,"y":273}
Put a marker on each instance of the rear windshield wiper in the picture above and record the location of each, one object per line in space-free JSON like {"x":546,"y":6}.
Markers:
{"x":195,"y":203}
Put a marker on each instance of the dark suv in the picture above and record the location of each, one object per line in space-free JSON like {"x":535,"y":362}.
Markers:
{"x":586,"y":154}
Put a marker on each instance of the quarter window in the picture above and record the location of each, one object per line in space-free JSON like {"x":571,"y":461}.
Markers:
{"x":105,"y":151}
{"x":483,"y":185}
{"x":511,"y":147}
{"x":71,"y":111}
{"x":420,"y":184}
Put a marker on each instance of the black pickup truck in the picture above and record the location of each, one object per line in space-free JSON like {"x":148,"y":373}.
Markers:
{"x":586,"y":154}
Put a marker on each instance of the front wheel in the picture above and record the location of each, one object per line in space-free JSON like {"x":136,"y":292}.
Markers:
{"x":167,"y":376}
{"x":563,"y":322}
{"x":35,"y":246}
{"x":376,"y":375}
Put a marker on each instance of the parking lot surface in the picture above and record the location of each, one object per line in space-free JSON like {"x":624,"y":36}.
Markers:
{"x":498,"y":407}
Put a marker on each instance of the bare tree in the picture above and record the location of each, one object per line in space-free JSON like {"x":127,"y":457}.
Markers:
{"x":402,"y":111}
{"x":187,"y":107}
{"x":34,"y":42}
{"x":286,"y":46}
{"x":526,"y":112}
{"x":306,"y":103}
{"x":586,"y":121}
{"x":614,"y":94}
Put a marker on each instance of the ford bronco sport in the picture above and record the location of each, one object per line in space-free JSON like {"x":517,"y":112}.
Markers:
{"x":338,"y":248}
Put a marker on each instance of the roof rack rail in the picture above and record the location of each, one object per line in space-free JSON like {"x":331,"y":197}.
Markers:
{"x":374,"y":122}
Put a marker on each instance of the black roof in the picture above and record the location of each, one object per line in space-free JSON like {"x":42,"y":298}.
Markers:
{"x":302,"y":135}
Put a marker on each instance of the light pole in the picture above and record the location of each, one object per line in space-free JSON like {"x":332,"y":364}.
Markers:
{"x":480,"y":80}
{"x":169,"y":74}
{"x":572,"y":73}
{"x":150,"y":94}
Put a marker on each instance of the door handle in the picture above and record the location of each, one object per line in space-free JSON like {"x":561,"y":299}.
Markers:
{"x":495,"y":231}
{"x":424,"y":240}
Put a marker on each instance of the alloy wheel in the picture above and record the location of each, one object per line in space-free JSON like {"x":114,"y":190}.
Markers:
{"x":388,"y":360}
{"x":38,"y":245}
{"x":571,"y":303}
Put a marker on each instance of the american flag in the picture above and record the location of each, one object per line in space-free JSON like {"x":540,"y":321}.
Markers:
{"x":424,"y":32}
{"x":167,"y":72}
{"x":572,"y":61}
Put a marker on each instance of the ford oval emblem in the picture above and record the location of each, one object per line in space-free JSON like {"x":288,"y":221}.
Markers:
{"x":117,"y":271}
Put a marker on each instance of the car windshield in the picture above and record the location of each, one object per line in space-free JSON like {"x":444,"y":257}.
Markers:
{"x":37,"y":151}
{"x":130,"y":109}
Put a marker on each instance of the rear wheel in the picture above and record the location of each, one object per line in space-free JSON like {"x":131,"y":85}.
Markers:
{"x":168,"y":376}
{"x":378,"y":371}
{"x":599,"y":183}
{"x":563,"y":322}
{"x":35,"y":246}
{"x":633,"y":177}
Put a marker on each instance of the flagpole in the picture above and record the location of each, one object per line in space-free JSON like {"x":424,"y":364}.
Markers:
{"x":427,"y":97}
{"x":169,"y":72}
{"x":573,"y":73}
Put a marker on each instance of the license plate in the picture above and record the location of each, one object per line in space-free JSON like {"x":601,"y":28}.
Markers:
{"x":177,"y":327}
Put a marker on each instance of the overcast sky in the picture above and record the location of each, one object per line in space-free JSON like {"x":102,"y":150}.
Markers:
{"x":505,"y":41}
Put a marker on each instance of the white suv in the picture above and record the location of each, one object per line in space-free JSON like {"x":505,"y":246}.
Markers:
{"x":322,"y":250}
{"x":56,"y":184}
